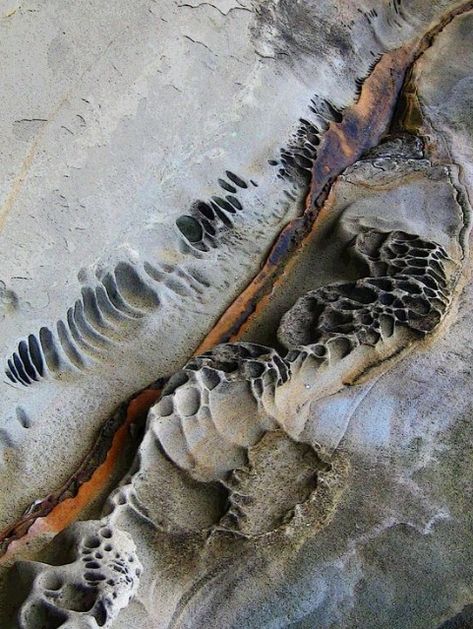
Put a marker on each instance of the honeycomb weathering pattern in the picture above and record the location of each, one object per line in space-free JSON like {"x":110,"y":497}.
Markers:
{"x":214,"y":412}
{"x":223,"y":401}
{"x":408,"y":286}
{"x":197,"y":420}
{"x":90,"y":591}
{"x":126,"y":294}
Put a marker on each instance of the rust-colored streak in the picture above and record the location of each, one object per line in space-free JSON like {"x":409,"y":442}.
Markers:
{"x":62,"y":507}
{"x":68,"y":510}
{"x":361,"y":128}
{"x":363,"y":125}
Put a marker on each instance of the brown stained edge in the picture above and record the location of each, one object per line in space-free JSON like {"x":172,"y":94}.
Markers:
{"x":361,"y":128}
{"x":63,"y":506}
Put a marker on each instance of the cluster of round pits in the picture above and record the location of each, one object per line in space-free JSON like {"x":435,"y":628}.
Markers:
{"x":96,"y":586}
{"x":413,"y":294}
{"x":196,"y":403}
{"x":202,"y":226}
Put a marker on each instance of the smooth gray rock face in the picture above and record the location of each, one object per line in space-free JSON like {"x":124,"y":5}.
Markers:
{"x":317,"y":472}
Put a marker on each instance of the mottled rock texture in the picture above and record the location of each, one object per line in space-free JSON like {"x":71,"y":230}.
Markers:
{"x":314,"y":469}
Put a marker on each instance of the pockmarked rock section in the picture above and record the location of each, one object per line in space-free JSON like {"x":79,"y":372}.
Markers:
{"x":316,"y":472}
{"x":199,"y":471}
{"x":97,"y":585}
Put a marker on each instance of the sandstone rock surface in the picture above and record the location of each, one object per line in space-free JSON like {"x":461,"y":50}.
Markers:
{"x":314,"y":469}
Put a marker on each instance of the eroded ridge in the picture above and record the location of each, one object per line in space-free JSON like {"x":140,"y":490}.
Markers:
{"x":197,"y":422}
{"x":408,"y":286}
{"x":92,"y":589}
{"x":208,"y":437}
{"x":223,"y":401}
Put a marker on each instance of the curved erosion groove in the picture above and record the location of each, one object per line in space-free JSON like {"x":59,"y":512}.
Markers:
{"x":362,"y":126}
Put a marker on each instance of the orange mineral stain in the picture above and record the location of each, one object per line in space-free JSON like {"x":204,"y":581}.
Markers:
{"x":361,"y":128}
{"x":68,"y":510}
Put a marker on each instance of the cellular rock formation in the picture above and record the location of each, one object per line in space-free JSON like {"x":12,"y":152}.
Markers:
{"x":89,"y":591}
{"x":146,"y":270}
{"x":214,"y":412}
{"x":223,"y":401}
{"x":235,"y":323}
